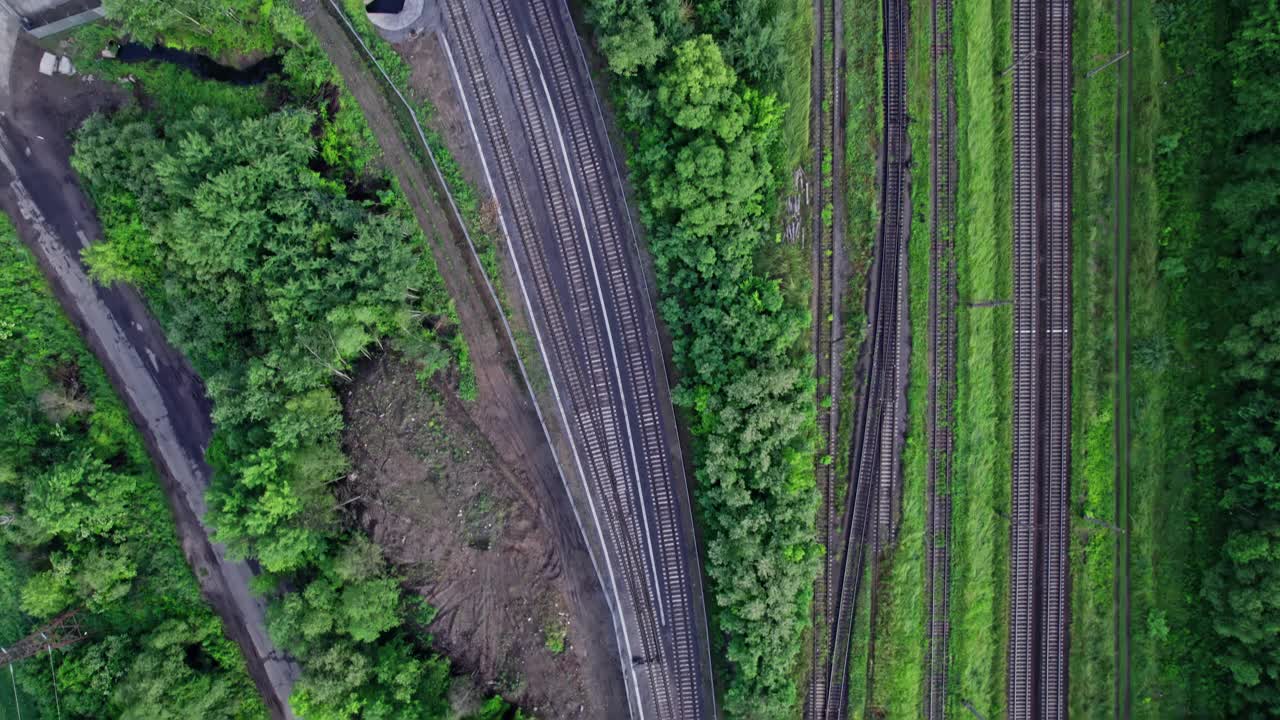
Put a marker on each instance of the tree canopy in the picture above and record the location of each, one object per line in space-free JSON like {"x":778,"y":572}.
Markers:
{"x":1218,"y":165}
{"x":89,"y":529}
{"x":702,"y":166}
{"x":276,"y":256}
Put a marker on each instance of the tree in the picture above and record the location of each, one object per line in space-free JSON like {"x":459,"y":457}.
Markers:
{"x":633,"y":46}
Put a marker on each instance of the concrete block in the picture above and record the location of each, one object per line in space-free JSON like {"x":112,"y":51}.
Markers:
{"x":65,"y":67}
{"x":47,"y":64}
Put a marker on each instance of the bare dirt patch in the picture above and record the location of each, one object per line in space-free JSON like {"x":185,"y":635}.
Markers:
{"x":430,"y":489}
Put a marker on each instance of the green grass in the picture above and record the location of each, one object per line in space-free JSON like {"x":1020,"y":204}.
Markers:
{"x":1169,"y":541}
{"x":795,"y":90}
{"x":863,"y":128}
{"x":173,"y":92}
{"x":862,"y":132}
{"x":859,"y":643}
{"x":980,"y":493}
{"x":903,"y":611}
{"x":1093,"y":671}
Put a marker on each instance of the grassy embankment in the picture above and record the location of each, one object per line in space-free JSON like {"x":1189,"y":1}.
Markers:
{"x":1169,"y":535}
{"x":1164,"y":506}
{"x":797,"y":73}
{"x":980,"y":494}
{"x":1093,"y":459}
{"x":796,"y":92}
{"x":790,"y":262}
{"x":864,"y":74}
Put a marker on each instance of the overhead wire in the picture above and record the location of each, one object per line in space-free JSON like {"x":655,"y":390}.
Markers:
{"x":56,"y":702}
{"x":17,"y":706}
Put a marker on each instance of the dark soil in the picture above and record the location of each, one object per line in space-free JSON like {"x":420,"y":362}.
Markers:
{"x":467,"y":534}
{"x":502,"y":418}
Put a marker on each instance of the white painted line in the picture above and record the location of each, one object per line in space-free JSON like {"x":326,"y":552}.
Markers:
{"x":644,"y":288}
{"x":608,"y":330}
{"x":618,"y":624}
{"x":555,"y":391}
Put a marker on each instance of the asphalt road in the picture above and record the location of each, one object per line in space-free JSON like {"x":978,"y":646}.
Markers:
{"x":165,"y":398}
{"x":543,"y":141}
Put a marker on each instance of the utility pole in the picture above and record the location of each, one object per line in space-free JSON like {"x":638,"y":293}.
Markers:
{"x":1106,"y":65}
{"x":59,"y":632}
{"x":972,"y":710}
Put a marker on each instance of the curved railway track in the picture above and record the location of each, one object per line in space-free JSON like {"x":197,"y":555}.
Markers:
{"x":942,"y":362}
{"x":1040,"y":524}
{"x":869,"y":519}
{"x":572,"y":245}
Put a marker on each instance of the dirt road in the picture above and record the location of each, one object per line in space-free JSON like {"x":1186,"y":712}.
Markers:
{"x":164,"y":396}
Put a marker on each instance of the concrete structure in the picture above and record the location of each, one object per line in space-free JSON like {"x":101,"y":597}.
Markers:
{"x":409,"y":14}
{"x":43,"y":18}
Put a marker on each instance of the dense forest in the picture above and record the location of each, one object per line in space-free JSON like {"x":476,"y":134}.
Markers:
{"x":85,"y":527}
{"x":698,"y":102}
{"x":1218,"y":166}
{"x":276,"y":254}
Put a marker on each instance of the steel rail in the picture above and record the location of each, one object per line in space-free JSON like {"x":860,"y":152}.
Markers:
{"x":942,"y":360}
{"x":1040,"y":522}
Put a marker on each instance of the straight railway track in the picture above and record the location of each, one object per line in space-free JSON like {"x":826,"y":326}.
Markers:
{"x":526,"y":91}
{"x":1040,"y":521}
{"x":942,"y":361}
{"x":827,"y":232}
{"x":868,"y":524}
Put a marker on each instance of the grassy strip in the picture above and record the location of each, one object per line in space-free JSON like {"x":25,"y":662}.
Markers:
{"x":797,"y":72}
{"x":980,"y":495}
{"x":1093,"y":452}
{"x":859,"y":649}
{"x":863,"y":131}
{"x":1170,"y":538}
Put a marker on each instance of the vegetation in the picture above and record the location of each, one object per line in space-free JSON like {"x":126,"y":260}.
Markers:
{"x":276,"y":256}
{"x":87,"y":528}
{"x":1093,"y":451}
{"x":1169,"y":507}
{"x":706,"y":165}
{"x":902,"y":612}
{"x":1218,"y":177}
{"x":980,"y":491}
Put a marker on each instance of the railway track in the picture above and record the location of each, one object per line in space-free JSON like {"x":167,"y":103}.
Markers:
{"x":868,"y":523}
{"x":572,"y":248}
{"x":1040,"y":524}
{"x":942,"y":362}
{"x":827,"y":133}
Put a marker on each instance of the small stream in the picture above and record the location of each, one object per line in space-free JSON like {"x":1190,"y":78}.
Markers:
{"x":199,"y":64}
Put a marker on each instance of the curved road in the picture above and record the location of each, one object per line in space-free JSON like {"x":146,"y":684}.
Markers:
{"x":163,"y":394}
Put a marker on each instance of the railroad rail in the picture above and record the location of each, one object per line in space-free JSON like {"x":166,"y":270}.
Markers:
{"x":942,"y":361}
{"x":573,"y":250}
{"x":827,"y":135}
{"x":869,"y":521}
{"x":1040,"y":523}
